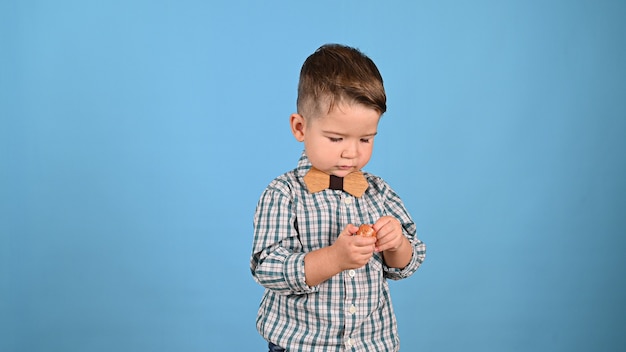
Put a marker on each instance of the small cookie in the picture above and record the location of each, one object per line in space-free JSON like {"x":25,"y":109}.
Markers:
{"x":366,"y":231}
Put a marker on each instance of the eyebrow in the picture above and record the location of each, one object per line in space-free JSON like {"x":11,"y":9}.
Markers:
{"x":343,"y":135}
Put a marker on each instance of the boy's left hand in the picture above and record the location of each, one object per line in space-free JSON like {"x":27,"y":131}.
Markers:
{"x":388,"y":234}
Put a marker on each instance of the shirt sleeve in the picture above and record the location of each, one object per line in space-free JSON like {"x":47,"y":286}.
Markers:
{"x":277,"y":261}
{"x":395,"y":207}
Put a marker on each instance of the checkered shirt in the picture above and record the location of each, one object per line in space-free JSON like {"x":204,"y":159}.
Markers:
{"x":351,"y":311}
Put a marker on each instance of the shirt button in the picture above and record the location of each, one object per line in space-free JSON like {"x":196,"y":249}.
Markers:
{"x":352,"y":309}
{"x":349,"y":342}
{"x":351,"y":273}
{"x":348,"y":200}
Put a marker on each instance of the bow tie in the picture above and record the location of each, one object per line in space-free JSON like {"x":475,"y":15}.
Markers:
{"x":354,"y":183}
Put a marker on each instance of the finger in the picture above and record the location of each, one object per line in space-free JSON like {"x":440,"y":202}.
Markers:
{"x":381,"y":245}
{"x":365,"y":248}
{"x":381,"y":223}
{"x":384,"y":242}
{"x":364,"y":241}
{"x":349,"y":230}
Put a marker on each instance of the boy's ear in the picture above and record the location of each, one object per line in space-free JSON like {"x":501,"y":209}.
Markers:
{"x":298,"y":126}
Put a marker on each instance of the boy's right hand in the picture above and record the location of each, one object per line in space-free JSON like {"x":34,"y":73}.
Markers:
{"x":353,"y":252}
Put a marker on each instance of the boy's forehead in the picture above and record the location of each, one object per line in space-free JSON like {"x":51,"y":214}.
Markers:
{"x":326,"y":105}
{"x":348,"y":118}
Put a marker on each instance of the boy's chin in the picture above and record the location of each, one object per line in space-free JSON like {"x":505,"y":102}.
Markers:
{"x":342,"y":173}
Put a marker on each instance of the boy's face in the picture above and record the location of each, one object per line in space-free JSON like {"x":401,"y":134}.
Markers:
{"x":338,"y":142}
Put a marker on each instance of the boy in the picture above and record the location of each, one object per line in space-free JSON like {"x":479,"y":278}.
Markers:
{"x":325,"y":288}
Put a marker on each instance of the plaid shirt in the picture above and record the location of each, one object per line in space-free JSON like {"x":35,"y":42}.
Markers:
{"x":350,"y":311}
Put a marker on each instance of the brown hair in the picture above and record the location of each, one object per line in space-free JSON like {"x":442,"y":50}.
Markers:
{"x":337,"y":73}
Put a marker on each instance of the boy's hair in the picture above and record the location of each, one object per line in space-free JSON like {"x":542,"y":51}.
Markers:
{"x":336,"y":74}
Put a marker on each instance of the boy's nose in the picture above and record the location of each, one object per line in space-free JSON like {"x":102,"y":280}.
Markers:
{"x":351,"y":151}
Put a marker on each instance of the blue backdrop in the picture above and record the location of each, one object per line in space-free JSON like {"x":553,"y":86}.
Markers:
{"x":137,"y":136}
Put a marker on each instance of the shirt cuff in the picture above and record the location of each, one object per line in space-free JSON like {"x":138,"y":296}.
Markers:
{"x":295,"y":276}
{"x":398,"y":274}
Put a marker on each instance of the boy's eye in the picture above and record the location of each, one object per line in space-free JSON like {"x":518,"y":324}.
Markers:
{"x":365,"y":140}
{"x":334,"y":139}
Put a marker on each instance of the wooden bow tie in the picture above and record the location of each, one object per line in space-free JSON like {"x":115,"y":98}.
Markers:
{"x":354,"y":183}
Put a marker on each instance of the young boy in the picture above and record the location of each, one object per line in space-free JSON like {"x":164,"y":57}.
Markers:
{"x":325,"y":287}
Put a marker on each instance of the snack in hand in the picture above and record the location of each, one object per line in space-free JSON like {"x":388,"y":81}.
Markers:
{"x":366,"y":231}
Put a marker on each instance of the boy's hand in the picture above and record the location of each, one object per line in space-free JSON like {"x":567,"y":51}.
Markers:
{"x":389,"y":234}
{"x":351,"y":251}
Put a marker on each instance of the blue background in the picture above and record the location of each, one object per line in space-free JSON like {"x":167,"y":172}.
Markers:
{"x":137,"y":136}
